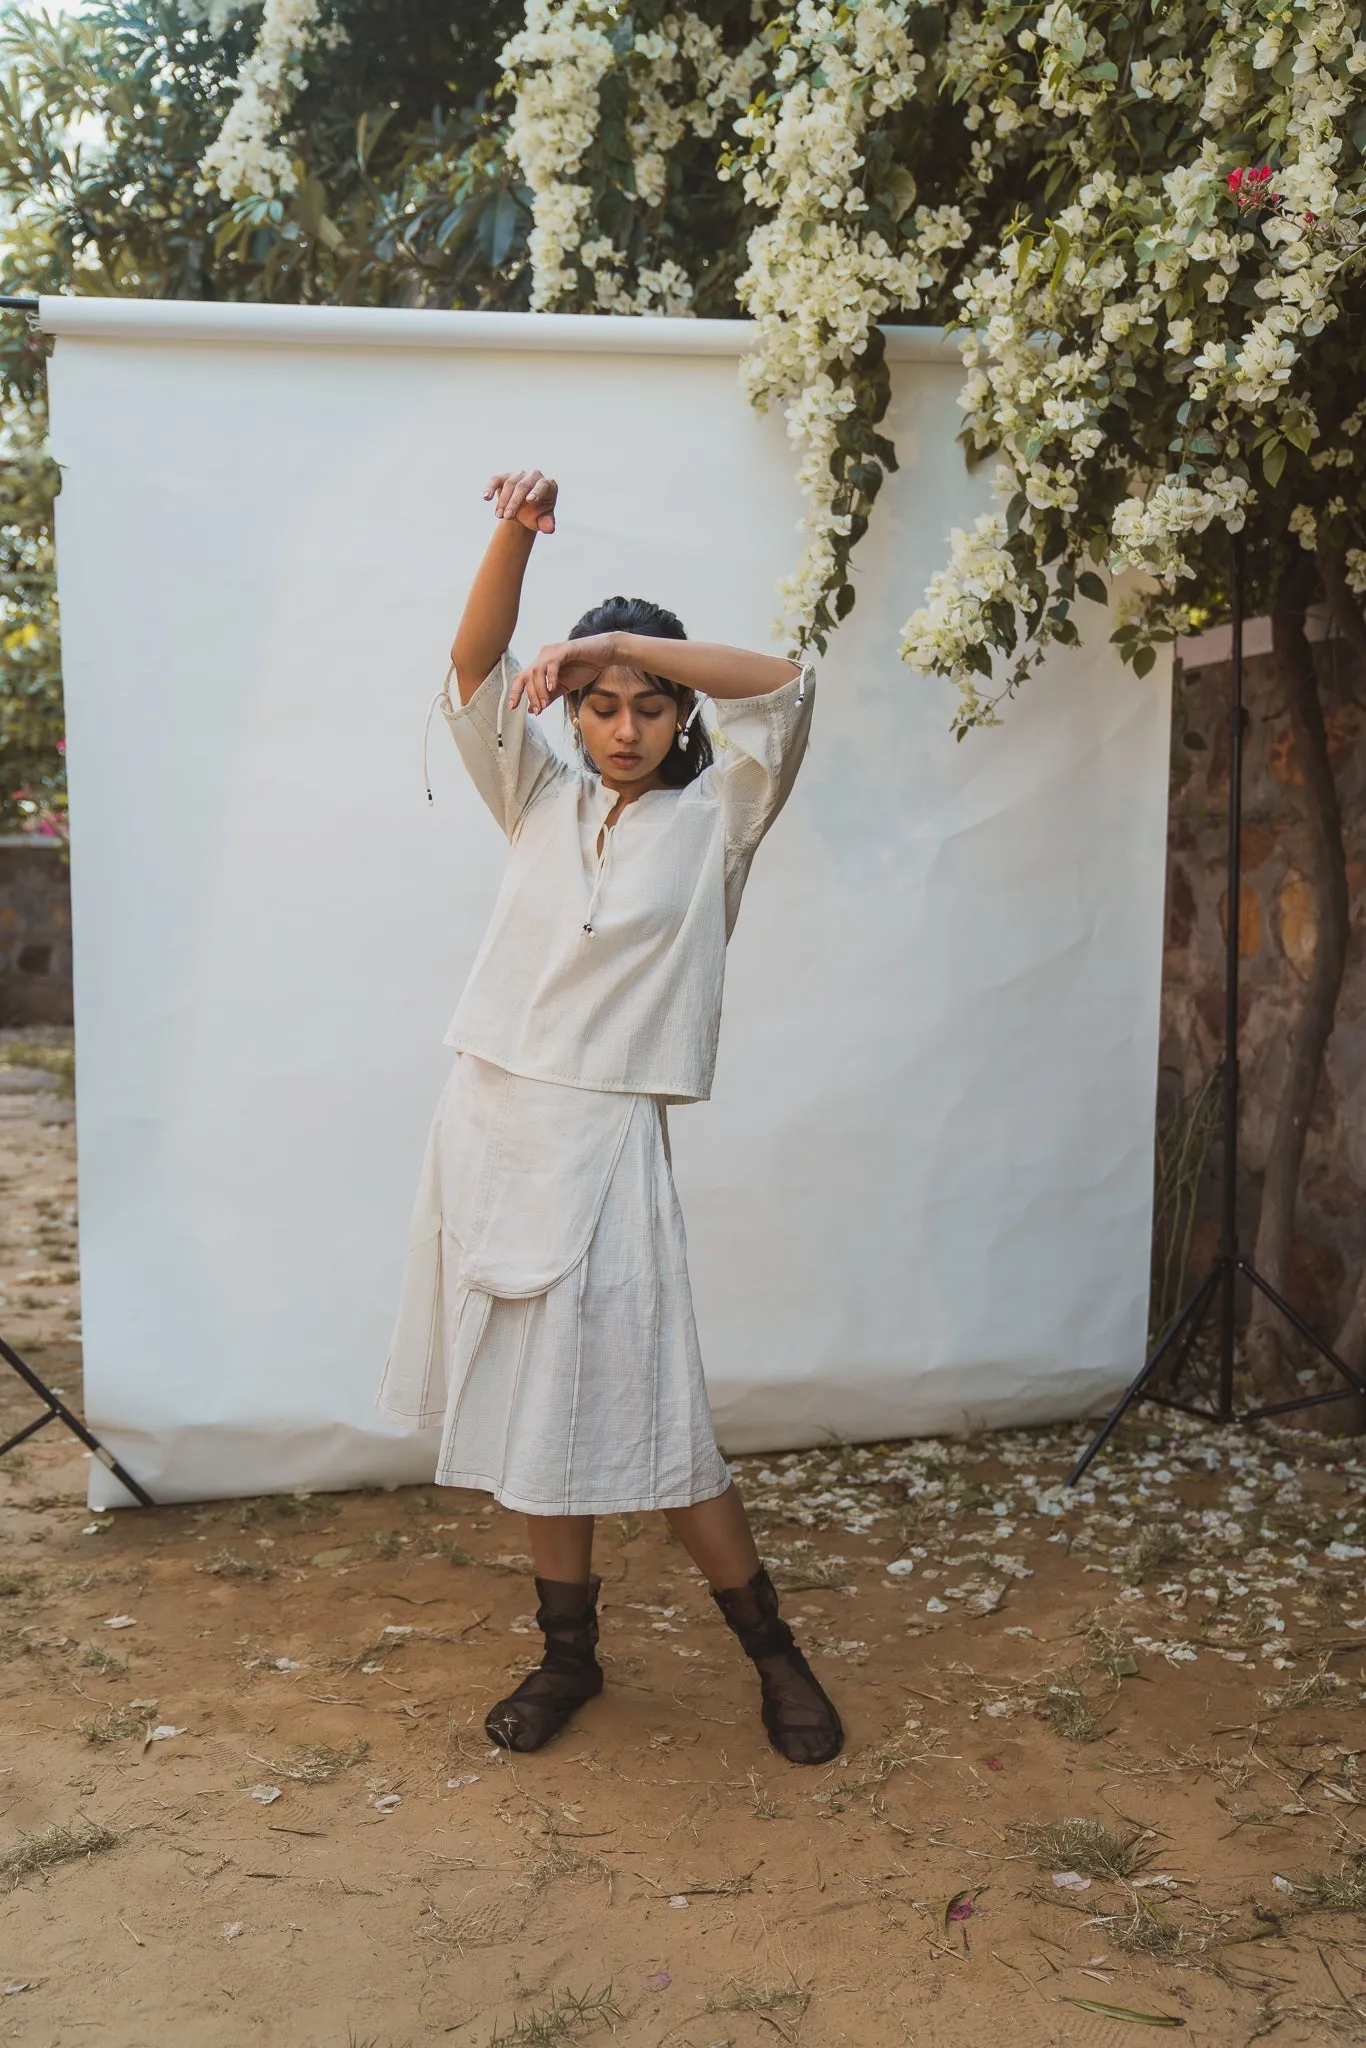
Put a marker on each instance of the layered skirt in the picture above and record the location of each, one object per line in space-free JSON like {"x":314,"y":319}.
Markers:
{"x":546,"y":1318}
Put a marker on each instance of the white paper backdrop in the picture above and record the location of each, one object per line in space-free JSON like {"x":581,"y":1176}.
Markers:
{"x":920,"y":1197}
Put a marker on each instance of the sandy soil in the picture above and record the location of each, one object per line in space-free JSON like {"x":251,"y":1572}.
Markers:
{"x":245,"y":1795}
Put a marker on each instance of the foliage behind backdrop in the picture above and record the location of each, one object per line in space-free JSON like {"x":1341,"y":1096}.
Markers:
{"x":1144,"y":219}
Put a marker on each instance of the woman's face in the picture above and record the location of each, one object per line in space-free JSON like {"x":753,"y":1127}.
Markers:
{"x":627,"y":724}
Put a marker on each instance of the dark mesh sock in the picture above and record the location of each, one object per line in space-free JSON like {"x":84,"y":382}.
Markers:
{"x":797,"y":1712}
{"x":568,"y":1674}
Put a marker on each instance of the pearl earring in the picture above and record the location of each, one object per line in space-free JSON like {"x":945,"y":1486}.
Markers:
{"x":683,"y":729}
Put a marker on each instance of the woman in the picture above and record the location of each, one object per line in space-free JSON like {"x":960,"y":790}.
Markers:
{"x":546,"y":1319}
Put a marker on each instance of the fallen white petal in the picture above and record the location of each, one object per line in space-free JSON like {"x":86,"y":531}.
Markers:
{"x":678,"y":1900}
{"x":387,"y":1802}
{"x":267,"y":1794}
{"x":1071,"y":1881}
{"x":165,"y":1732}
{"x":120,"y":1621}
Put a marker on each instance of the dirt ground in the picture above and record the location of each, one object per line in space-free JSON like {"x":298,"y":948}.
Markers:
{"x":1103,"y":1768}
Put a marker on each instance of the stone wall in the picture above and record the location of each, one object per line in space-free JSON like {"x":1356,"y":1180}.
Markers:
{"x":35,"y":933}
{"x":1276,"y":941}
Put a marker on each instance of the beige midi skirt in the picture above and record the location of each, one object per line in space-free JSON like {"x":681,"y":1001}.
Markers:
{"x":546,"y":1317}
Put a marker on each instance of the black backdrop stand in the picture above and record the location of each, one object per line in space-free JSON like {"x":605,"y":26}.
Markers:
{"x":1230,"y":1265}
{"x":55,"y":1409}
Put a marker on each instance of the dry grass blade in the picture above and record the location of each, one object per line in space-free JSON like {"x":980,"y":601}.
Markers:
{"x":225,"y":1564}
{"x":1147,"y":1932}
{"x":1310,"y":1691}
{"x":1070,"y":1714}
{"x":54,"y":1845}
{"x":95,"y":1657}
{"x":1086,"y":1846}
{"x":1152,"y":1548}
{"x":315,"y":1765}
{"x":765,"y":1999}
{"x":120,"y":1724}
{"x":1124,"y":2012}
{"x":728,"y":1888}
{"x":565,"y":2020}
{"x":1342,"y":1890}
{"x":18,"y":1585}
{"x":808,"y":1575}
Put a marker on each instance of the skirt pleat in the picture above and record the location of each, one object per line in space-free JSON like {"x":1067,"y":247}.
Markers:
{"x":569,"y":1373}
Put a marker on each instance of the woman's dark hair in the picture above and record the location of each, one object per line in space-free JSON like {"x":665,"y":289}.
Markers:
{"x":680,"y":765}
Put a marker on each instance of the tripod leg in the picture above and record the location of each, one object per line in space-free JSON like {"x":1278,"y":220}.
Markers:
{"x":58,"y":1409}
{"x":1297,"y":1323}
{"x":1188,"y":1320}
{"x":21,"y":1436}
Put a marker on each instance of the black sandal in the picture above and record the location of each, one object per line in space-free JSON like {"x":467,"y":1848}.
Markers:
{"x":797,"y":1712}
{"x":568,"y":1674}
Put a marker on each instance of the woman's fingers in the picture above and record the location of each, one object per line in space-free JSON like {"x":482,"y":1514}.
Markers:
{"x":525,"y":482}
{"x":541,"y":498}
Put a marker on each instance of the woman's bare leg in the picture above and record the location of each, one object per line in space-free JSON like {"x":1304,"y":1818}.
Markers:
{"x":569,"y":1672}
{"x":799,"y":1715}
{"x":717,"y":1537}
{"x":562,"y":1547}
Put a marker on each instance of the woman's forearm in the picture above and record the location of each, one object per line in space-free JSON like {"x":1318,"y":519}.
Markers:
{"x":705,"y":666}
{"x":490,"y":615}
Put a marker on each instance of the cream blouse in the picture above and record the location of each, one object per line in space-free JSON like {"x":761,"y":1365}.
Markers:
{"x":605,"y":970}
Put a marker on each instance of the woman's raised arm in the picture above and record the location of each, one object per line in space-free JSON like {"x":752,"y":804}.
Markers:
{"x":705,"y":666}
{"x":523,"y":506}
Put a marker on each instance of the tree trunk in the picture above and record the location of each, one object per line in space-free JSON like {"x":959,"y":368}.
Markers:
{"x":1325,"y":867}
{"x":1350,"y":1342}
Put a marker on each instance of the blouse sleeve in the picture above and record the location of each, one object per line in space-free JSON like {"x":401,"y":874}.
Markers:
{"x":508,"y":757}
{"x":759,"y":743}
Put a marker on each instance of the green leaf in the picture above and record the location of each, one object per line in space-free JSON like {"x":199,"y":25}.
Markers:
{"x":1144,"y":660}
{"x":1273,"y":460}
{"x":1090,"y":585}
{"x":1015,"y":512}
{"x":498,"y":228}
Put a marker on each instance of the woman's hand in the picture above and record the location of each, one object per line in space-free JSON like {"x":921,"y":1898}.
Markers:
{"x":526,"y":496}
{"x":563,"y":665}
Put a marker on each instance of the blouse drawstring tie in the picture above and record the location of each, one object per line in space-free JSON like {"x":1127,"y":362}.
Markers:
{"x":604,"y":862}
{"x":443,"y":696}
